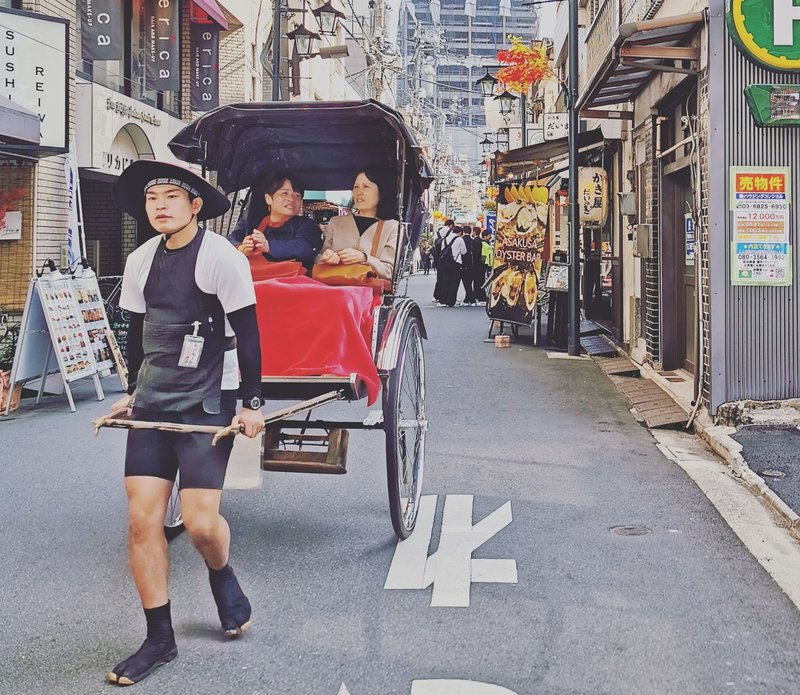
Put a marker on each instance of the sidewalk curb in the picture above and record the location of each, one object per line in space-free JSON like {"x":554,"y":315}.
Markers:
{"x":718,"y":437}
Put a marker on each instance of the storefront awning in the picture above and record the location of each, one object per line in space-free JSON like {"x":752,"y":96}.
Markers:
{"x":639,"y":50}
{"x":213,"y":10}
{"x":18,"y":125}
{"x":542,"y":159}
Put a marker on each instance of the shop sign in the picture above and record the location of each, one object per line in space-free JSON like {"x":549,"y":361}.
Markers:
{"x":491,"y":223}
{"x":768,"y":31}
{"x":162,"y":47}
{"x":556,"y":125}
{"x":520,"y":248}
{"x":690,"y":236}
{"x":761,"y":249}
{"x":774,"y":104}
{"x":11,"y":226}
{"x":34,"y":74}
{"x":132,"y":111}
{"x":593,"y":195}
{"x":204,"y":41}
{"x":101,"y":29}
{"x":113,"y":130}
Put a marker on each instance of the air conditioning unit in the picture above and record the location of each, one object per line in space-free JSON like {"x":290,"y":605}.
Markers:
{"x":643,"y":241}
{"x":627,"y":203}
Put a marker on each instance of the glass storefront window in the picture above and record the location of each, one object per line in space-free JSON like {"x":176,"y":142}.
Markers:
{"x":127,"y":76}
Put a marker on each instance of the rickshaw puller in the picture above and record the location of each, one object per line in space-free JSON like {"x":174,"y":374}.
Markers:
{"x":193,"y":329}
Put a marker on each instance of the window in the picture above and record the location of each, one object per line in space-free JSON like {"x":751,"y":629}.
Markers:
{"x":127,"y":76}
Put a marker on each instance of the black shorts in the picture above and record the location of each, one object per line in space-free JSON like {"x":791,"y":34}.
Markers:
{"x":162,"y":454}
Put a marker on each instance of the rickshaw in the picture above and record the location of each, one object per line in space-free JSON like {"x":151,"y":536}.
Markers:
{"x":324,"y":144}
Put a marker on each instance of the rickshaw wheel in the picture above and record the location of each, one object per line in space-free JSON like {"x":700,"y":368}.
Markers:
{"x":406,"y":424}
{"x":173,"y":519}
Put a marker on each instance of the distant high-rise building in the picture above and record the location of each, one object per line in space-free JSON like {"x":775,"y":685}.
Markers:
{"x":445,"y":45}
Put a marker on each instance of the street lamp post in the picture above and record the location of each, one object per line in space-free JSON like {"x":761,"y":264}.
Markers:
{"x":305,"y":40}
{"x":574,"y":330}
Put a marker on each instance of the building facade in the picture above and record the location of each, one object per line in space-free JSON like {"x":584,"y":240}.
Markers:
{"x":445,"y":45}
{"x":704,"y":105}
{"x":88,"y":74}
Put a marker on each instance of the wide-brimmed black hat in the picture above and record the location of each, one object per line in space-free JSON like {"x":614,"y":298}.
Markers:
{"x":129,"y":188}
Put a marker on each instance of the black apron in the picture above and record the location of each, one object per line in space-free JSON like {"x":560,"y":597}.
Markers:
{"x":173,"y":303}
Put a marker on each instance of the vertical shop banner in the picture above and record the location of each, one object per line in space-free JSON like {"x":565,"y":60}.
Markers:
{"x":163,"y":53}
{"x":519,"y":250}
{"x":205,"y":65}
{"x":101,"y":29}
{"x":74,"y":252}
{"x":760,"y":249}
{"x":593,"y":191}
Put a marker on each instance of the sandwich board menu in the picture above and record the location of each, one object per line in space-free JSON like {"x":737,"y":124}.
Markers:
{"x":90,"y":304}
{"x":63,"y":331}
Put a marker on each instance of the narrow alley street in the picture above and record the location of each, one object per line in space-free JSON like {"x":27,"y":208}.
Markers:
{"x":591,"y":563}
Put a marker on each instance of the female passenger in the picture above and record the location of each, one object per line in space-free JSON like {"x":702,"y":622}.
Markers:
{"x":369,"y":236}
{"x":276,"y":227}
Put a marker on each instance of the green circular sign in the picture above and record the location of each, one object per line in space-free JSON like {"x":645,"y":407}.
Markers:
{"x":767,"y":31}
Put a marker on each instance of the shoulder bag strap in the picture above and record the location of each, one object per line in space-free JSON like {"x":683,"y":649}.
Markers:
{"x":376,"y":239}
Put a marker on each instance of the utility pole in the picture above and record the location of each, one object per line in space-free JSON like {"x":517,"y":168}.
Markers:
{"x":276,"y":51}
{"x":574,"y":316}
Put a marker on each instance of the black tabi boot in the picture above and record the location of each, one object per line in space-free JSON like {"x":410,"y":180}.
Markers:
{"x":232,"y":605}
{"x":159,"y":648}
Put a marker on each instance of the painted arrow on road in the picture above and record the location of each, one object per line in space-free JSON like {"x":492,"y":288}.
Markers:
{"x":451,"y":569}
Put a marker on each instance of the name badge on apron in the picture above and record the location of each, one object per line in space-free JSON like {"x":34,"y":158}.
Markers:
{"x":192,"y":349}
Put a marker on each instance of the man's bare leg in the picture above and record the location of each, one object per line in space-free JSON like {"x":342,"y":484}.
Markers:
{"x":207,"y":528}
{"x":147,"y":545}
{"x":211,"y":536}
{"x":147,"y":551}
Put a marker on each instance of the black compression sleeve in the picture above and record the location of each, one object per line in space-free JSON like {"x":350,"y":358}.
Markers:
{"x":135,"y":349}
{"x":248,"y":349}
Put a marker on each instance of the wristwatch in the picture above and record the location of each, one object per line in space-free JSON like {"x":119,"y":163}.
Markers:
{"x":254,"y":403}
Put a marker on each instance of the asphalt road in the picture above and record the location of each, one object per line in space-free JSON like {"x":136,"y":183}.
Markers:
{"x":774,"y":453}
{"x":683,"y":608}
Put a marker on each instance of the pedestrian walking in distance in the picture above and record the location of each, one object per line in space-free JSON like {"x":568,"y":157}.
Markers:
{"x":464,"y":257}
{"x":193,"y":329}
{"x":478,"y":268}
{"x":439,"y":238}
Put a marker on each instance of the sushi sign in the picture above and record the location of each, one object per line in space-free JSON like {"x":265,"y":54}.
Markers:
{"x":767,"y":31}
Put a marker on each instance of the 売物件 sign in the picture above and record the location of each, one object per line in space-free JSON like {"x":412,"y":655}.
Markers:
{"x":768,"y":31}
{"x":760,"y":248}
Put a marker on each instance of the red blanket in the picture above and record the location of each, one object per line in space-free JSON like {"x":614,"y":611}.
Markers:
{"x":311,"y":329}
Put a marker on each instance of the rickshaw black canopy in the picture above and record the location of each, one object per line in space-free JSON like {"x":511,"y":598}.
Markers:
{"x":324,"y":143}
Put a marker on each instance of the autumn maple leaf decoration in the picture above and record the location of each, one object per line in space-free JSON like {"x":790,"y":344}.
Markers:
{"x":522,"y":65}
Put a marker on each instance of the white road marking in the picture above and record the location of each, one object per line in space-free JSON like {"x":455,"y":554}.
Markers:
{"x":773,"y":546}
{"x":451,"y":687}
{"x":451,"y":569}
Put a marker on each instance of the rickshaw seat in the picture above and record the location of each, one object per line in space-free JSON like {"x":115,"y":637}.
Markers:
{"x":305,"y":387}
{"x":314,"y":338}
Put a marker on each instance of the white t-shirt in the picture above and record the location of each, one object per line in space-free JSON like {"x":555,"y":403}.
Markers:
{"x":458,"y":248}
{"x":221,"y":270}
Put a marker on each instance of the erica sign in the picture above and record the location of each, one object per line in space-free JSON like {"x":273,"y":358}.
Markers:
{"x":767,"y":31}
